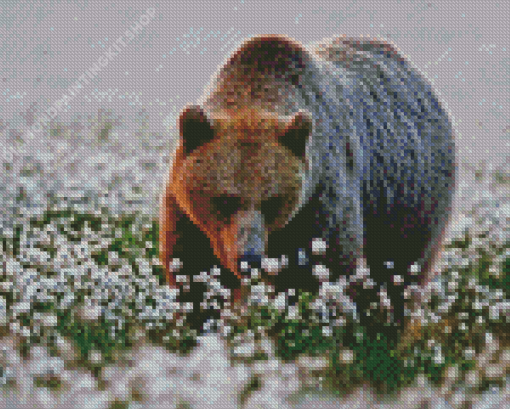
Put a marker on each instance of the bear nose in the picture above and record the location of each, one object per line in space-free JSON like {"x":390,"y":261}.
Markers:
{"x":253,"y":260}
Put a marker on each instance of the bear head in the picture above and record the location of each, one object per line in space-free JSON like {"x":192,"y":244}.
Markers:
{"x":238,"y":175}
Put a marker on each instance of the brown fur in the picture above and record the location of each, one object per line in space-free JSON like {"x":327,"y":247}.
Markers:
{"x":365,"y":189}
{"x":245,"y":159}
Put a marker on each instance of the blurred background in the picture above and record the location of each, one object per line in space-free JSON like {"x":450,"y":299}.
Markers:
{"x":132,"y":103}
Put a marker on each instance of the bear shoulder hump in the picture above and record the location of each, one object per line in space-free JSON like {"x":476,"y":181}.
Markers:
{"x":343,"y":49}
{"x":271,"y":54}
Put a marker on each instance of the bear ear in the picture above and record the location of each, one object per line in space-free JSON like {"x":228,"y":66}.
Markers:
{"x":297,"y":133}
{"x":195,"y":128}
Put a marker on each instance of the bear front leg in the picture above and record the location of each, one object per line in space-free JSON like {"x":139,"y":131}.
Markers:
{"x":181,"y":240}
{"x":343,"y":230}
{"x":184,"y":249}
{"x":313,"y":238}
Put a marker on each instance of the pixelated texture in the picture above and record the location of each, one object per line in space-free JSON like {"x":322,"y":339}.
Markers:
{"x":384,"y":170}
{"x":312,"y":238}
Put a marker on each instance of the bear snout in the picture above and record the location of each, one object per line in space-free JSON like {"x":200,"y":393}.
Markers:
{"x":247,"y":240}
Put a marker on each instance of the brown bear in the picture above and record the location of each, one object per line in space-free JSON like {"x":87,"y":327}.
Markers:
{"x":342,"y":141}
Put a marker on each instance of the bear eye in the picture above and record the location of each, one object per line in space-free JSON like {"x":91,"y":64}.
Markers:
{"x":226,"y":206}
{"x":271,"y":208}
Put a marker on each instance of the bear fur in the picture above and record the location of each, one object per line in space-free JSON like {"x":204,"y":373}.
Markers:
{"x":342,"y":141}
